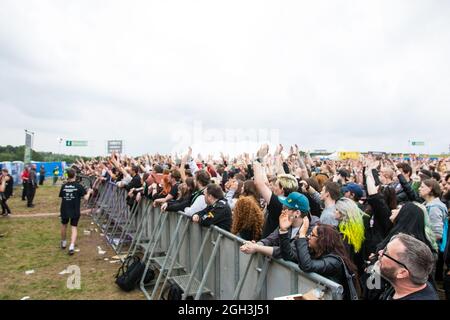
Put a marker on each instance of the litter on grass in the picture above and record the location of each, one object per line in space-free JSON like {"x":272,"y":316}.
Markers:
{"x":122,"y":256}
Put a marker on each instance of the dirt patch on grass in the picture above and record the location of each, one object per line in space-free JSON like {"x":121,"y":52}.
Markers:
{"x":33,"y":244}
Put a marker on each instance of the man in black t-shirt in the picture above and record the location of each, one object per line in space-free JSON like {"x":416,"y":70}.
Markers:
{"x":71,"y":193}
{"x":283,"y":186}
{"x":407,"y":264}
{"x":175,"y":179}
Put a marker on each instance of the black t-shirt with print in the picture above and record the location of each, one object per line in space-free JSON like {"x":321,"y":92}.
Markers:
{"x":274,"y":209}
{"x":71,"y":194}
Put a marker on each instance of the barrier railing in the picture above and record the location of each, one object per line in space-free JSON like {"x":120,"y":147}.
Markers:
{"x":205,"y":262}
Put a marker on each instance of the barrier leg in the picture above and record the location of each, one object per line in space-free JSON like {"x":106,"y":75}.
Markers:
{"x":208,"y":266}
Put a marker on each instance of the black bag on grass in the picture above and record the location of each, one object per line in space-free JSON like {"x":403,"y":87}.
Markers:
{"x":130,"y":273}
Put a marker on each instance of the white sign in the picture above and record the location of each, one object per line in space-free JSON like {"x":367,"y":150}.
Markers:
{"x":115,"y":145}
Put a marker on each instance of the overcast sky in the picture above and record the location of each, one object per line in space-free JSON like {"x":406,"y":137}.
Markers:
{"x":160,"y":75}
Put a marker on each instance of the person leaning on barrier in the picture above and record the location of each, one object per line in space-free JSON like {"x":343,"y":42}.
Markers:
{"x":174,"y":180}
{"x":134,"y":184}
{"x":407,"y":263}
{"x":202,"y":179}
{"x":296,"y":205}
{"x":217,"y":212}
{"x":322,"y":252}
{"x":248,"y":218}
{"x":185,"y":192}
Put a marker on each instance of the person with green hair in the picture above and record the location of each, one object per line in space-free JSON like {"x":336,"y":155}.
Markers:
{"x":351,"y":226}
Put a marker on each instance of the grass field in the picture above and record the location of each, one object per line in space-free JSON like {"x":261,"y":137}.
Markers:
{"x":32,"y":243}
{"x":46,"y":200}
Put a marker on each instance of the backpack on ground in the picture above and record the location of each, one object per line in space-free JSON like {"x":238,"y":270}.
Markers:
{"x":130,"y":273}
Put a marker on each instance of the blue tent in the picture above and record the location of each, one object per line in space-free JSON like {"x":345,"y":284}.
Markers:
{"x":50,"y":166}
{"x":15,"y":170}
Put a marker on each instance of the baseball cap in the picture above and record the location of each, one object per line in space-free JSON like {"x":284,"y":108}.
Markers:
{"x":295,"y":201}
{"x":354,"y":188}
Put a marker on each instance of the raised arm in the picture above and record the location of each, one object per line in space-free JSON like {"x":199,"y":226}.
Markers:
{"x":260,"y":182}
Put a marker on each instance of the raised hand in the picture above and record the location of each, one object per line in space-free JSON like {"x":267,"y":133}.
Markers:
{"x":304,"y":228}
{"x":285,"y":220}
{"x":263,"y":151}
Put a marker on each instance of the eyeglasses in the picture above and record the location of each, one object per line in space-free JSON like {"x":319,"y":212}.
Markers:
{"x":384,"y":254}
{"x":313,"y":235}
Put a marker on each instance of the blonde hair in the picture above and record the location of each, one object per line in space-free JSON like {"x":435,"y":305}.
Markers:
{"x":352,"y":224}
{"x":288,"y":182}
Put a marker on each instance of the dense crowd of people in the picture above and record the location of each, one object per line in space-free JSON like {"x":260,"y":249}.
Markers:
{"x":348,"y":220}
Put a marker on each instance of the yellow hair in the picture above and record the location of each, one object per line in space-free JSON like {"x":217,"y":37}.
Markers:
{"x":353,"y":232}
{"x":352,"y":224}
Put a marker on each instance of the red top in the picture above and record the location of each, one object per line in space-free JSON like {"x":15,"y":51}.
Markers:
{"x":25,"y":174}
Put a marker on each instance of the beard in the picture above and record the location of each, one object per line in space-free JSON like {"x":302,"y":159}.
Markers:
{"x":388,"y":273}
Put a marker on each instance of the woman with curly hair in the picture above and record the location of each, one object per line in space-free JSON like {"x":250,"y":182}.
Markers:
{"x":248,"y":219}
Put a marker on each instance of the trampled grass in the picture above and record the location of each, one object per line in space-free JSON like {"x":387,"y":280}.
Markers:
{"x":46,"y":200}
{"x":32,"y":243}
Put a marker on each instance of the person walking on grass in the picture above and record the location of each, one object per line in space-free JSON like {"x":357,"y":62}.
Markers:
{"x":71,"y":193}
{"x":41,"y":175}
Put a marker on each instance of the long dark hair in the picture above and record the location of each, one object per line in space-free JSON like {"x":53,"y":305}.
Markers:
{"x":249,"y":189}
{"x":190,"y":182}
{"x":330,"y":241}
{"x":410,"y":220}
{"x":390,"y":196}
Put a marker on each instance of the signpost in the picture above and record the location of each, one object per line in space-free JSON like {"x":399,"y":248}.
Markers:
{"x":76,"y":143}
{"x":115,"y":146}
{"x":28,"y":146}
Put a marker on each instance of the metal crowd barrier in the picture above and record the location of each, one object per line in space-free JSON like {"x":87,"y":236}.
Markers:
{"x":205,"y":262}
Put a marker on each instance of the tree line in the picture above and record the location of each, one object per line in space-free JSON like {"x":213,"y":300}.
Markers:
{"x":11,"y":153}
